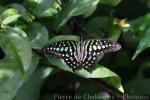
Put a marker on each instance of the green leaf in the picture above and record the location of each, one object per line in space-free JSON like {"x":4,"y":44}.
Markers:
{"x":38,"y":35}
{"x":39,"y":6}
{"x":9,"y":16}
{"x":110,"y":2}
{"x":10,"y":19}
{"x":10,"y":77}
{"x":99,"y":71}
{"x":143,"y":44}
{"x":74,"y":8}
{"x":49,"y":12}
{"x":22,"y":11}
{"x":31,"y":89}
{"x":16,"y":46}
{"x":141,"y":24}
{"x":91,"y":11}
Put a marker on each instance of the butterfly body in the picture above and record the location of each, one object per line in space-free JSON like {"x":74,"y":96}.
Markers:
{"x":80,"y":54}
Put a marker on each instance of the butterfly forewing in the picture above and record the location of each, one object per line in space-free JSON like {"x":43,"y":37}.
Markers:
{"x":64,"y":49}
{"x":102,"y":46}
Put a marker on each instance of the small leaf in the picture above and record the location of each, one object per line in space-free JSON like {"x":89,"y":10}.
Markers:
{"x":49,"y":12}
{"x":22,"y":11}
{"x":10,"y":19}
{"x":90,"y":12}
{"x":143,"y":44}
{"x":9,"y":16}
{"x":38,"y":35}
{"x":139,"y":27}
{"x":141,"y":24}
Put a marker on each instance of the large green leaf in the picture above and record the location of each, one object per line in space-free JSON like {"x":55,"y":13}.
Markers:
{"x":74,"y":8}
{"x":38,"y":35}
{"x":99,"y":71}
{"x":31,"y":89}
{"x":16,"y":45}
{"x":17,"y":48}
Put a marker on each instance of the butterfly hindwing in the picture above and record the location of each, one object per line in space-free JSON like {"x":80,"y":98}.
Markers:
{"x":90,"y":54}
{"x":89,"y":59}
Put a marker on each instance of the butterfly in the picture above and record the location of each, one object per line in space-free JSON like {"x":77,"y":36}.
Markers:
{"x":81,"y":54}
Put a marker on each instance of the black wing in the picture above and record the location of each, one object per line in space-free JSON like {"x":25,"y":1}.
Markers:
{"x":96,"y":48}
{"x":64,"y":49}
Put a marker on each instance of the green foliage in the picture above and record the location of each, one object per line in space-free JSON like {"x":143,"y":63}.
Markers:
{"x":38,"y":38}
{"x":31,"y":89}
{"x":15,"y":44}
{"x":9,"y":16}
{"x":142,"y":25}
{"x":26,"y":27}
